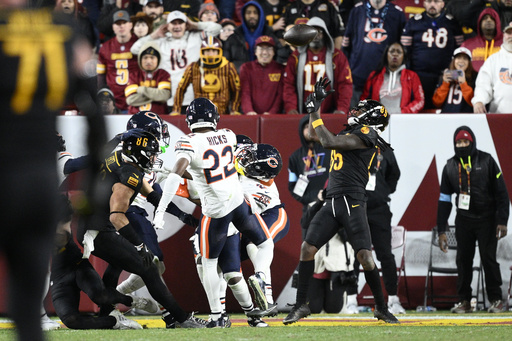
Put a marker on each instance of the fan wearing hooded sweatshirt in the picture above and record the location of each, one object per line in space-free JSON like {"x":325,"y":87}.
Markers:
{"x":310,"y":63}
{"x":239,"y":47}
{"x":488,"y":39}
{"x":482,"y":212}
{"x":149,"y":88}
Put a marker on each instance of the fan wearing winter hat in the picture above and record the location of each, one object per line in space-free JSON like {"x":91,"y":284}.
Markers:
{"x":150,"y":87}
{"x":494,"y":81}
{"x":209,"y":12}
{"x":482,"y":213}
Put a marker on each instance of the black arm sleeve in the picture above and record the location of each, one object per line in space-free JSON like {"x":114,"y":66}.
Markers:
{"x":392,"y":171}
{"x":500,"y":193}
{"x":76,"y":164}
{"x":443,"y":213}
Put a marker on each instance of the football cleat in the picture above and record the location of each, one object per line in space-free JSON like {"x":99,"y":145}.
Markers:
{"x":394,"y":305}
{"x":297,"y":313}
{"x":146,"y":304}
{"x":227,"y":321}
{"x":258,"y":313}
{"x":256,"y":322}
{"x":122,"y":322}
{"x":220,"y":323}
{"x":257,"y":284}
{"x":49,"y":324}
{"x":192,"y":322}
{"x":382,"y":313}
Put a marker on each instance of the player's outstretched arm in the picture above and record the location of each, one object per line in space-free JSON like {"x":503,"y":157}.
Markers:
{"x":326,"y":138}
{"x":171,"y":186}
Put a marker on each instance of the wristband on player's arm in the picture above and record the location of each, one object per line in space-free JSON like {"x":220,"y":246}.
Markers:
{"x":154,"y":198}
{"x":129,"y":233}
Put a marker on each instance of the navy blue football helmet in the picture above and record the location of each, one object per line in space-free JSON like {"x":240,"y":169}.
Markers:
{"x":151,"y":122}
{"x":142,"y":150}
{"x":202,"y":113}
{"x":260,"y":161}
{"x":370,"y":113}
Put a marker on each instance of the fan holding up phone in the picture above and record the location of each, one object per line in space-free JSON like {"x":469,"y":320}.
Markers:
{"x":455,"y":91}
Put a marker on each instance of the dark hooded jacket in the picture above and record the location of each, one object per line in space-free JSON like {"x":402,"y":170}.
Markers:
{"x":239,"y":47}
{"x":471,"y":12}
{"x":312,"y":162}
{"x":387,"y":173}
{"x":480,"y":47}
{"x":483,"y":181}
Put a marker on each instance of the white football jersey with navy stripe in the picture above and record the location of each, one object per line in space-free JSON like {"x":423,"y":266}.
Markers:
{"x":264,"y":194}
{"x":211,"y":165}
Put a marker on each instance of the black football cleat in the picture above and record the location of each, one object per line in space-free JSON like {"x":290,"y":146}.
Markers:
{"x":297,"y":313}
{"x":382,"y":313}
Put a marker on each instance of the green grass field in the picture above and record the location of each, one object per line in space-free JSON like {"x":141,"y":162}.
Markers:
{"x":436,"y":326}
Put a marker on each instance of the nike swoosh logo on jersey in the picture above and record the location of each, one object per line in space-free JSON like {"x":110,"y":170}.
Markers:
{"x":355,"y":205}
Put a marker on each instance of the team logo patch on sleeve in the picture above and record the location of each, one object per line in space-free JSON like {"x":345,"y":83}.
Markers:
{"x":133,"y":181}
{"x":365,"y":130}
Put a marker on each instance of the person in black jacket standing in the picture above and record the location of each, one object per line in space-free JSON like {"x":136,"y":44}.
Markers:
{"x":482,"y":214}
{"x":384,"y":175}
{"x":308,"y":169}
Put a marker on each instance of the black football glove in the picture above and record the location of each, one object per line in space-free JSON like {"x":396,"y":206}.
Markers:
{"x":314,"y":100}
{"x":146,"y":255}
{"x":189,"y":219}
{"x":137,"y":132}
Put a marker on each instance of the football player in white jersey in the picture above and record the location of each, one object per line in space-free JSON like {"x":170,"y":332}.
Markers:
{"x":206,"y":156}
{"x":258,"y":165}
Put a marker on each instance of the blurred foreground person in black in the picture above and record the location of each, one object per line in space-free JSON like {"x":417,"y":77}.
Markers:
{"x":42,"y":63}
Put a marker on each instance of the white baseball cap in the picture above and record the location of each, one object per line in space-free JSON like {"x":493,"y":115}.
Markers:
{"x":176,"y":15}
{"x":464,"y":50}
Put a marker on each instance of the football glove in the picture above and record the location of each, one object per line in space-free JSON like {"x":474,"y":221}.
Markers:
{"x":189,"y":219}
{"x":146,"y":255}
{"x":158,"y":220}
{"x":315,"y":99}
{"x":137,"y":132}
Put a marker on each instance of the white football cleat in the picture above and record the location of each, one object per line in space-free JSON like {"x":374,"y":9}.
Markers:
{"x":394,"y":305}
{"x":122,"y":322}
{"x":49,"y":324}
{"x":147,"y":304}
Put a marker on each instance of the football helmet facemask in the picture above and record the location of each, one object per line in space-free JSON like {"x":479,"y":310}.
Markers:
{"x":202,"y":113}
{"x":151,"y":122}
{"x":211,"y":43}
{"x":260,"y":161}
{"x":370,"y":113}
{"x":142,"y":150}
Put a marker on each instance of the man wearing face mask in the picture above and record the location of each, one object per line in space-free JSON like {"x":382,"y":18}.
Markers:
{"x":482,"y":214}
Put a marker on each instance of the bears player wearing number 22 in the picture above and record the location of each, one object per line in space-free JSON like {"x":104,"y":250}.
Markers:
{"x":207,"y":155}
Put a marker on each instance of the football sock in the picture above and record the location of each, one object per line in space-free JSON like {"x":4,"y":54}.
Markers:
{"x":264,"y":258}
{"x":211,"y":284}
{"x":243,"y":296}
{"x":373,"y":280}
{"x":306,"y":269}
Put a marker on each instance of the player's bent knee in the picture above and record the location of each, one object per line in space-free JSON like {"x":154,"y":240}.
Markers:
{"x":233,"y":277}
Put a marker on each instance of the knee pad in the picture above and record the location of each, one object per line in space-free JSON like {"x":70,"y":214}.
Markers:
{"x":233,"y":277}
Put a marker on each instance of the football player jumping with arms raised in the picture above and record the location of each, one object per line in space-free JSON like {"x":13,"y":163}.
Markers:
{"x":352,"y":151}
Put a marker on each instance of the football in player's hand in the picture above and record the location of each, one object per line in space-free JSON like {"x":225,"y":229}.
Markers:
{"x":299,"y":35}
